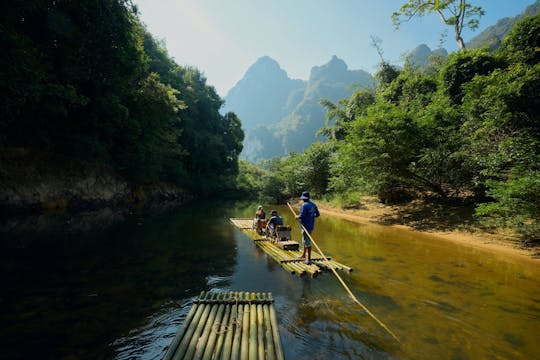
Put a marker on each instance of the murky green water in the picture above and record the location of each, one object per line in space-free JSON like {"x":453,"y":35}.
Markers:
{"x":121,"y":292}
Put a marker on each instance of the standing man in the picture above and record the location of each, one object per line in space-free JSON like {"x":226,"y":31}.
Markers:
{"x":308,"y":213}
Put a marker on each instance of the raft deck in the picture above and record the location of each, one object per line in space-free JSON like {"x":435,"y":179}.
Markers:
{"x":230,"y":325}
{"x":288,"y":259}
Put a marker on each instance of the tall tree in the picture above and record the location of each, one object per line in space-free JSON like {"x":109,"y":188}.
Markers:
{"x":456,"y":13}
{"x":85,"y":79}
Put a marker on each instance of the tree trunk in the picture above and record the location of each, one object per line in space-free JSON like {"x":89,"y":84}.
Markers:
{"x":460,"y":42}
{"x":459,"y":39}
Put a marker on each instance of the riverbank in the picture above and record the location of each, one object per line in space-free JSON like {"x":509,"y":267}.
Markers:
{"x":33,"y":182}
{"x":444,"y":222}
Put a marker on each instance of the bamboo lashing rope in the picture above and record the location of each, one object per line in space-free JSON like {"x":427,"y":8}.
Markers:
{"x":343,"y":283}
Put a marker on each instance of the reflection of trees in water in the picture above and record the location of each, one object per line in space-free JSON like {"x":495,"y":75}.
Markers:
{"x":77,"y":222}
{"x":92,"y":288}
{"x":32,"y":225}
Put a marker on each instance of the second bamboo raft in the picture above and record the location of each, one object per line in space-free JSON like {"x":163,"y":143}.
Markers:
{"x":288,"y":259}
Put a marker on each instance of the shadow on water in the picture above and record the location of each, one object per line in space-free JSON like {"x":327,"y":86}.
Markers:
{"x":74,"y":293}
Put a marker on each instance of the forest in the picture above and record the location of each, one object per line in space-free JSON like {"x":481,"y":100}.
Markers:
{"x":86,"y":79}
{"x":464,"y":130}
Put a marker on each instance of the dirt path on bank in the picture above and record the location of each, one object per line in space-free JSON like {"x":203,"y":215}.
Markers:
{"x":380,"y":214}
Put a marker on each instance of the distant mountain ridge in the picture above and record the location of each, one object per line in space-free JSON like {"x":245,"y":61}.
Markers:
{"x":267,"y":81}
{"x":420,"y":56}
{"x":332,"y":81}
{"x":493,"y":36}
{"x":280,"y":114}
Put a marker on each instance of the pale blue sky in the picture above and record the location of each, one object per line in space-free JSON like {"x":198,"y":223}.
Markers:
{"x":222,"y":38}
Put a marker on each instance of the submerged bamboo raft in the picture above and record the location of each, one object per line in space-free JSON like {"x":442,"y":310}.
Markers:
{"x":288,"y":259}
{"x":230,"y":325}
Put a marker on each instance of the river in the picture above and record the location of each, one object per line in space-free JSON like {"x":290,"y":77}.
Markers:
{"x":122,"y":290}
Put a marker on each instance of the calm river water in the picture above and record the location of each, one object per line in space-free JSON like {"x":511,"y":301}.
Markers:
{"x":121,"y":291}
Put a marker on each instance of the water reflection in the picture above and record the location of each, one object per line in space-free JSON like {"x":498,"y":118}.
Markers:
{"x":77,"y":293}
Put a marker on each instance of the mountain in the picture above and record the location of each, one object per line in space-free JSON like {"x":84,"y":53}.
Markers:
{"x":420,"y":55}
{"x":261,"y":97}
{"x":493,"y":36}
{"x":280,"y":114}
{"x":331,"y":81}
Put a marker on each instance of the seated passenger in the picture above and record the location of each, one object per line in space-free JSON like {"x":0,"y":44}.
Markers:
{"x":260,"y":214}
{"x":274,"y":221}
{"x":260,"y":220}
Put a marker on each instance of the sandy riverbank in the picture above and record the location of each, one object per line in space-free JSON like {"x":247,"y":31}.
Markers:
{"x":409,"y":219}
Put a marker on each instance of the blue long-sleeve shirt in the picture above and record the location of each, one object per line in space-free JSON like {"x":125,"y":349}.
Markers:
{"x":308,"y":213}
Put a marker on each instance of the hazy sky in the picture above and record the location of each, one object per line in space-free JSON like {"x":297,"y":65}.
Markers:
{"x":222,"y":38}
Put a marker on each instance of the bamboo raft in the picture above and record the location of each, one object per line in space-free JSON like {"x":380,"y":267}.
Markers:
{"x":288,"y":259}
{"x":231,"y":325}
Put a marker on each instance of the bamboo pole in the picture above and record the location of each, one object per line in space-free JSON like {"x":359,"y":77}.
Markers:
{"x":235,"y":351}
{"x":204,"y":340}
{"x":227,"y":301}
{"x":179,"y":353}
{"x":299,"y":267}
{"x":275,"y":332}
{"x":339,"y":266}
{"x":287,"y":267}
{"x":231,"y":332}
{"x":244,"y":224}
{"x":192,"y":347}
{"x":223,"y":328}
{"x":296,"y":269}
{"x":311,"y":269}
{"x":244,"y":343}
{"x":270,"y":350}
{"x":281,"y":255}
{"x":214,"y":330}
{"x":343,"y":283}
{"x":296,"y":260}
{"x":180,"y":333}
{"x":274,"y":255}
{"x":285,"y":254}
{"x":260,"y":330}
{"x":302,"y":270}
{"x":252,"y":329}
{"x":332,"y":262}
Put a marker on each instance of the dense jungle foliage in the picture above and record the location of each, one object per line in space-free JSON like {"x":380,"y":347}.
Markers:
{"x":465,"y":128}
{"x":85,"y":79}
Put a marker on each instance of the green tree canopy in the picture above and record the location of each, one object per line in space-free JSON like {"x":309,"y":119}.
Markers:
{"x":85,"y":79}
{"x":456,"y":13}
{"x":523,"y":42}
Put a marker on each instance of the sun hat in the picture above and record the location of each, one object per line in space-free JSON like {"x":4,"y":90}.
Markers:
{"x":260,"y":207}
{"x":305,"y":195}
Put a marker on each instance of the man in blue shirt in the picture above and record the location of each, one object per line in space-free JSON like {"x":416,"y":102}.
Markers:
{"x":308,"y":213}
